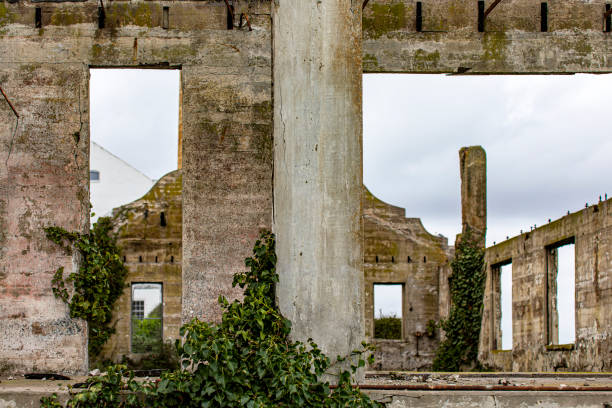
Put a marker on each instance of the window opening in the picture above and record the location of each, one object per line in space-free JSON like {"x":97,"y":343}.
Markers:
{"x":134,"y":133}
{"x":505,"y":272}
{"x":561,"y":291}
{"x":388,"y":305}
{"x":147,"y":317}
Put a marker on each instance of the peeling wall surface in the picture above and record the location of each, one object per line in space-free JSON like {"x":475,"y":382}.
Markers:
{"x":150,"y":236}
{"x":399,"y":250}
{"x":532,"y":274}
{"x":226,"y":110}
{"x":227,"y":128}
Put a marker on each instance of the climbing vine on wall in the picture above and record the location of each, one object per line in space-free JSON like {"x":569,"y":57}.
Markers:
{"x":98,"y":282}
{"x":247,"y":360}
{"x":459,"y":350}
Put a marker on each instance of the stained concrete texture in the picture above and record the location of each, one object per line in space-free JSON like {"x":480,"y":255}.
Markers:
{"x":318,"y":171}
{"x":473,"y":170}
{"x":226,"y":86}
{"x":227,"y":111}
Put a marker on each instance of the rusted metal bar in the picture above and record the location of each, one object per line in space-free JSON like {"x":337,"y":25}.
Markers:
{"x":9,"y":102}
{"x":365,"y":3}
{"x":491,"y":7}
{"x":247,"y":21}
{"x":457,"y":387}
{"x":231,"y":17}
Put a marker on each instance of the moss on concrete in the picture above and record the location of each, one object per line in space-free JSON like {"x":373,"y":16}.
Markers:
{"x":383,"y":19}
{"x":64,"y":17}
{"x":495,"y":45}
{"x":6,"y":17}
{"x":426,"y":60}
{"x":122,"y":14}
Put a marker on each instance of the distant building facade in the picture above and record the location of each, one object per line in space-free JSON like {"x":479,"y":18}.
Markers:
{"x":113,"y":182}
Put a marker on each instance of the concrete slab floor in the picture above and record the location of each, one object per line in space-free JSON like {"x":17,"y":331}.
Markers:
{"x":412,"y":389}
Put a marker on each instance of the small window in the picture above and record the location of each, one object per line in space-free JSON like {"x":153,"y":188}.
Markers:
{"x":94,"y":175}
{"x":388,"y":299}
{"x":505,"y":272}
{"x":561,"y":291}
{"x":147,"y":316}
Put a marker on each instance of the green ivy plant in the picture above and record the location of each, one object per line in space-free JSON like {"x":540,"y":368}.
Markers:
{"x":98,"y":282}
{"x":459,"y":350}
{"x":248,"y":359}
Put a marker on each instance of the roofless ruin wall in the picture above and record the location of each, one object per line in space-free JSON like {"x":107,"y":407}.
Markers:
{"x":47,"y":48}
{"x":226,"y":107}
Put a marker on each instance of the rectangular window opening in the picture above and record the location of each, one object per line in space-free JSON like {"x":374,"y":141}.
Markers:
{"x":506,"y":306}
{"x":561,"y":293}
{"x":135,"y":133}
{"x":388,"y":306}
{"x":147,"y":318}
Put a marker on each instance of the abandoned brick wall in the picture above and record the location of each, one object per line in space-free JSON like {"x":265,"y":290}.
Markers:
{"x":512,"y":41}
{"x":532,"y":277}
{"x":399,"y":250}
{"x":227,"y":184}
{"x":149,"y":232}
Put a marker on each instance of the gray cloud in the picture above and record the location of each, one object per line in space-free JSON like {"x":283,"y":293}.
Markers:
{"x":546,"y":140}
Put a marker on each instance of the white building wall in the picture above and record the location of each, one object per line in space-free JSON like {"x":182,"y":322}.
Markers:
{"x":119,"y":182}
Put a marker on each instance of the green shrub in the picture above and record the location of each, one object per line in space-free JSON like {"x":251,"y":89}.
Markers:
{"x":459,"y":350}
{"x":97,"y":284}
{"x":388,"y":327}
{"x":246,"y":360}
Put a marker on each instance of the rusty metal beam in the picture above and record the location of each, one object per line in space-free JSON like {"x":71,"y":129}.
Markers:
{"x":491,"y":7}
{"x":9,"y":103}
{"x":230,"y":11}
{"x":248,"y":23}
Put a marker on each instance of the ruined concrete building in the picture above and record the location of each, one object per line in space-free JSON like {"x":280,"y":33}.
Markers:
{"x":535,"y":317}
{"x":398,"y":250}
{"x":271,"y":124}
{"x":150,"y":235}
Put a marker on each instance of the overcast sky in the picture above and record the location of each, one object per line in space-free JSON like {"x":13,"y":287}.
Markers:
{"x":546,"y":137}
{"x":134,"y":115}
{"x":547,"y":142}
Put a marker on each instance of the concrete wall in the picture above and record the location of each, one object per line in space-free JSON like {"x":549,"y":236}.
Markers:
{"x":227,"y":157}
{"x":400,"y":250}
{"x":473,"y":170}
{"x":153,"y":254}
{"x":532,"y":280}
{"x":318,"y":170}
{"x":227,"y":154}
{"x":512,"y":41}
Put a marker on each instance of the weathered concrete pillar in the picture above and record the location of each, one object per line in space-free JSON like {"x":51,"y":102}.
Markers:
{"x":473,"y":163}
{"x":318,"y":170}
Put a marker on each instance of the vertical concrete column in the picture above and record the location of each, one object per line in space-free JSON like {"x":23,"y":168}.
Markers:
{"x":473,"y":162}
{"x":318,"y":169}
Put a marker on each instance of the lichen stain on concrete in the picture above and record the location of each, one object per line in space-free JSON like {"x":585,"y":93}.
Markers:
{"x":495,"y":47}
{"x":383,"y":19}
